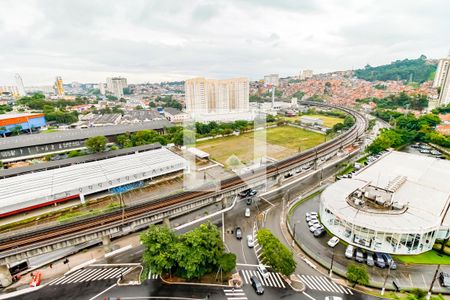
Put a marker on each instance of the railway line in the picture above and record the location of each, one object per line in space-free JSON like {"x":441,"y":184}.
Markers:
{"x":41,"y":236}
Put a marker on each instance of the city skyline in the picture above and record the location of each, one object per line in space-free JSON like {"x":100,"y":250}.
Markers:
{"x":176,"y":41}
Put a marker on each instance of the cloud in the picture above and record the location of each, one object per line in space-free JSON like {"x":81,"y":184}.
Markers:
{"x":151,"y":40}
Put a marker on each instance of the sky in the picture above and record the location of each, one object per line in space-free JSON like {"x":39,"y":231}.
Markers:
{"x":166,"y":40}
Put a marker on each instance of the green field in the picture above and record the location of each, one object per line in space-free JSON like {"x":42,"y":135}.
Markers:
{"x":431,"y":257}
{"x":278,"y":143}
{"x":328,"y":121}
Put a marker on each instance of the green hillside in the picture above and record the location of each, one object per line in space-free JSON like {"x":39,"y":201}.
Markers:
{"x":416,"y":70}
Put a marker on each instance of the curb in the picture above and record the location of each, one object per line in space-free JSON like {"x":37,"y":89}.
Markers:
{"x":194,"y":283}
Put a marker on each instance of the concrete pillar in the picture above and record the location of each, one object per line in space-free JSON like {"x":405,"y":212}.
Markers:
{"x":279,"y":180}
{"x":166,"y":222}
{"x":82,"y":199}
{"x":106,"y":241}
{"x":224,"y":202}
{"x":5,"y":276}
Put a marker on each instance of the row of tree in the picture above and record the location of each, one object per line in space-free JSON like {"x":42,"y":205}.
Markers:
{"x":407,"y":129}
{"x":190,"y":255}
{"x":275,"y":254}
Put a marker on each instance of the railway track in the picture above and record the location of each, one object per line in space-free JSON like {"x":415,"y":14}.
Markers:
{"x":80,"y":226}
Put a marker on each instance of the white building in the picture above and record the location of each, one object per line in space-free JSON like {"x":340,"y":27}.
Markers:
{"x":20,"y":86}
{"x":307,"y":120}
{"x":271,"y":80}
{"x":305,"y":74}
{"x":175,"y":116}
{"x":399,"y":204}
{"x":115,"y":86}
{"x":442,"y":81}
{"x":204,"y":96}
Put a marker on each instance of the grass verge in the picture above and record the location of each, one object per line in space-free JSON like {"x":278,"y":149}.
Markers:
{"x":431,"y":257}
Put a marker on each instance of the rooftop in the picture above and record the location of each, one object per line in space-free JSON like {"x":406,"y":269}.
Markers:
{"x":18,"y":115}
{"x":77,"y":134}
{"x":417,"y":187}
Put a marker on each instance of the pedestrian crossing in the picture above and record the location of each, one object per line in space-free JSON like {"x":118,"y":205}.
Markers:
{"x":322,"y":283}
{"x":235,"y":294}
{"x":93,"y":274}
{"x":152,"y":275}
{"x":273,"y":280}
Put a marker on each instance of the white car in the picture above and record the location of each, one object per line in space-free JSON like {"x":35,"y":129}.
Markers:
{"x":250,"y":241}
{"x":311,"y":214}
{"x":247,"y":212}
{"x":263,"y":271}
{"x":315,"y":227}
{"x":333,"y":241}
{"x":309,"y":219}
{"x":313,"y":222}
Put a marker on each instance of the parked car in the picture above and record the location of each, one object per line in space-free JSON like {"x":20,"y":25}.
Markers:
{"x":389,"y":261}
{"x":257,"y":286}
{"x":311,"y":214}
{"x":369,"y":259}
{"x":379,"y":260}
{"x":250,"y":241}
{"x":313,"y":222}
{"x":315,"y":227}
{"x":288,"y":175}
{"x":247,"y":212}
{"x":310,"y":218}
{"x":349,"y":251}
{"x":444,"y":279}
{"x":238,"y":233}
{"x":263,"y":271}
{"x":359,"y":256}
{"x":319,"y":232}
{"x":333,"y":241}
{"x":249,"y":201}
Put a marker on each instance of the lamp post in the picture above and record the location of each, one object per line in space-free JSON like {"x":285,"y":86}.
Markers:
{"x":432,"y":283}
{"x":332,"y":261}
{"x":385,"y":278}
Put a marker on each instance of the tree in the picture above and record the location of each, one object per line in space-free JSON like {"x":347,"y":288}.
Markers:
{"x":3,"y":130}
{"x":357,"y":274}
{"x":185,"y":137}
{"x":159,"y":243}
{"x":96,"y":144}
{"x":227,"y":262}
{"x":199,"y":251}
{"x":275,"y":254}
{"x":16,"y":130}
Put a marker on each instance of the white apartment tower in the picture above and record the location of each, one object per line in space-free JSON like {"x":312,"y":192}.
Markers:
{"x":115,"y":86}
{"x":216,"y":96}
{"x":442,"y":81}
{"x":20,"y":86}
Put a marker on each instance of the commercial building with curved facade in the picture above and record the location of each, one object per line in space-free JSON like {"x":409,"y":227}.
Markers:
{"x":398,"y":205}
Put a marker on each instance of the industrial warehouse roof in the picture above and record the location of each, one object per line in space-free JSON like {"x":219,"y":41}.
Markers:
{"x":76,"y":160}
{"x":32,"y":189}
{"x":425,"y":192}
{"x":19,"y":115}
{"x":77,"y":134}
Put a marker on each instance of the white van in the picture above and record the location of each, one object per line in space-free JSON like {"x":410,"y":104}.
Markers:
{"x":349,"y":251}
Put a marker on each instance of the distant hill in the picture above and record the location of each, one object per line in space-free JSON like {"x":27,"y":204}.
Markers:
{"x":415,"y":70}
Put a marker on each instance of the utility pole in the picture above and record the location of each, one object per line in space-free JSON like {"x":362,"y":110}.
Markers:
{"x":432,"y":282}
{"x":385,"y":278}
{"x":332,"y":260}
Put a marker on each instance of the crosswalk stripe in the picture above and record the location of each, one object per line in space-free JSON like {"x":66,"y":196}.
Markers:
{"x":328,"y":283}
{"x":244,"y":274}
{"x":281,"y":280}
{"x":319,"y":282}
{"x":339,"y":287}
{"x":92,"y":275}
{"x":69,"y":278}
{"x":112,"y":274}
{"x":105,"y":273}
{"x":270,"y":279}
{"x":81,"y":275}
{"x":236,"y":290}
{"x":119,"y":273}
{"x":310,"y":284}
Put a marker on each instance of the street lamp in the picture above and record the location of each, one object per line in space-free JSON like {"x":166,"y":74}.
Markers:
{"x":332,"y":260}
{"x":294,"y":235}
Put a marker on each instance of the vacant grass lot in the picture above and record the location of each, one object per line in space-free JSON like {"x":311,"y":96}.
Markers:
{"x":278,"y":143}
{"x":431,"y":257}
{"x":328,"y":121}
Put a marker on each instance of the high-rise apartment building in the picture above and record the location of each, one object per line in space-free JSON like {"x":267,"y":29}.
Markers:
{"x":59,"y":89}
{"x":20,"y":86}
{"x":272,"y":79}
{"x":305,"y":74}
{"x":442,"y":81}
{"x":216,"y":96}
{"x":115,"y":86}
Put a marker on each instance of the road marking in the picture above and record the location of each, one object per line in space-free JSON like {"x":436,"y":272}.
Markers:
{"x":235,"y":294}
{"x":322,"y":283}
{"x":308,"y":296}
{"x":104,"y":291}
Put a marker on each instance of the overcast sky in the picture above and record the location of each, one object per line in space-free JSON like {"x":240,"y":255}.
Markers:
{"x":153,"y":41}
